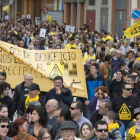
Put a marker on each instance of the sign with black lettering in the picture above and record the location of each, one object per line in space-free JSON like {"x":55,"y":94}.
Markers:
{"x":44,"y":65}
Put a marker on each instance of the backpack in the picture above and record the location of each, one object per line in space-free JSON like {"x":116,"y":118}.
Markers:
{"x":112,"y":135}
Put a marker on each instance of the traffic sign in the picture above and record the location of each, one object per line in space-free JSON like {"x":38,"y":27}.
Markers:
{"x":135,"y":14}
{"x":45,"y":10}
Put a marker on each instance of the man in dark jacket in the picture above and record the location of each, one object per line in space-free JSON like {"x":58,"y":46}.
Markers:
{"x":21,"y":91}
{"x":60,"y":93}
{"x":34,"y":95}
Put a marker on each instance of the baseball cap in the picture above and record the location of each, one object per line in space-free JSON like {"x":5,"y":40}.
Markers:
{"x":33,"y":86}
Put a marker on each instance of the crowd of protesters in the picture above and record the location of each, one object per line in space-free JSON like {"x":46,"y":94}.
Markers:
{"x":112,"y":69}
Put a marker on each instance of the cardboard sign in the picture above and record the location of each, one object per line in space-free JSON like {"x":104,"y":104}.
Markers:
{"x":42,"y":33}
{"x":37,"y":20}
{"x":70,"y":28}
{"x":6,"y":17}
{"x":23,"y":16}
{"x":44,"y":65}
{"x":28,"y":16}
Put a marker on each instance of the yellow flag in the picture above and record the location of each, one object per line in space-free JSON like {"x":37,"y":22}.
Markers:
{"x":133,"y":31}
{"x":6,"y":8}
{"x":49,"y":18}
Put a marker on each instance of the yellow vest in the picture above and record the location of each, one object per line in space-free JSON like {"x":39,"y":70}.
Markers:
{"x":86,"y":57}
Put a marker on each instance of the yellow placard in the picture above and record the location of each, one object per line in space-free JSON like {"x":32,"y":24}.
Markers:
{"x":44,"y":65}
{"x":124,"y":113}
{"x":133,"y":31}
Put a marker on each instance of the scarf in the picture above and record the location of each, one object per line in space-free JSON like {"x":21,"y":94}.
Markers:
{"x":112,"y":126}
{"x":132,"y":133}
{"x":29,"y":100}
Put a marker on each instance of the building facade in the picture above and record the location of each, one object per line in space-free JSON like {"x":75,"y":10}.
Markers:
{"x":108,"y":15}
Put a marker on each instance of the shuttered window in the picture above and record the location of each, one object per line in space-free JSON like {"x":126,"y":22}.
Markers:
{"x":104,"y":2}
{"x":91,"y":2}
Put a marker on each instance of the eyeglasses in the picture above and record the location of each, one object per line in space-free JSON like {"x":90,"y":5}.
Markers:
{"x":100,"y":107}
{"x":101,"y":130}
{"x":72,"y":108}
{"x":21,"y":126}
{"x":128,"y":89}
{"x":57,"y":116}
{"x":4,"y":126}
{"x":101,"y":93}
{"x":29,"y":79}
{"x":46,"y":138}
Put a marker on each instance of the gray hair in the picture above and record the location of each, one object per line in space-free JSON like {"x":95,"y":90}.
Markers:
{"x":91,"y":60}
{"x":107,"y":103}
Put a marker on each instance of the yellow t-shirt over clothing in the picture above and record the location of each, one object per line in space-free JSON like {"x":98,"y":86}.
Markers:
{"x":69,"y":46}
{"x":86,"y":57}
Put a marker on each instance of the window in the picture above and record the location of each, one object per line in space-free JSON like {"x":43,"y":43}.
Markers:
{"x":104,"y":2}
{"x":91,"y":2}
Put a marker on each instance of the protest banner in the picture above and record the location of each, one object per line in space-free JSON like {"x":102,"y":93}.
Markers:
{"x":133,"y":31}
{"x":37,"y":20}
{"x":42,"y":33}
{"x":28,"y":16}
{"x":70,"y":28}
{"x":6,"y":17}
{"x":44,"y":65}
{"x":23,"y":16}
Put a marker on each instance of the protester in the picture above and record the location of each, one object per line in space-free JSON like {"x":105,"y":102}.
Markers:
{"x":60,"y":93}
{"x":5,"y":99}
{"x":39,"y":120}
{"x":124,"y":105}
{"x":44,"y":134}
{"x":21,"y":91}
{"x":113,"y":126}
{"x":21,"y":125}
{"x":100,"y":93}
{"x":103,"y":107}
{"x":76,"y":110}
{"x":4,"y":127}
{"x":34,"y":95}
{"x":68,"y":131}
{"x":51,"y":108}
{"x":86,"y":128}
{"x":134,"y":132}
{"x":61,"y":116}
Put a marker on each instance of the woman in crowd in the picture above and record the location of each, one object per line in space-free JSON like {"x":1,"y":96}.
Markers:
{"x":90,"y":54}
{"x":100,"y":58}
{"x":5,"y":99}
{"x":21,"y":125}
{"x":100,"y":93}
{"x":4,"y":112}
{"x":44,"y":134}
{"x":39,"y":120}
{"x":85,"y":129}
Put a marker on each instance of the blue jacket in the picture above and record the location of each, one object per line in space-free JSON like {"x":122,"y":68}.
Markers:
{"x":92,"y":84}
{"x":121,"y":129}
{"x":113,"y":63}
{"x":66,"y":98}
